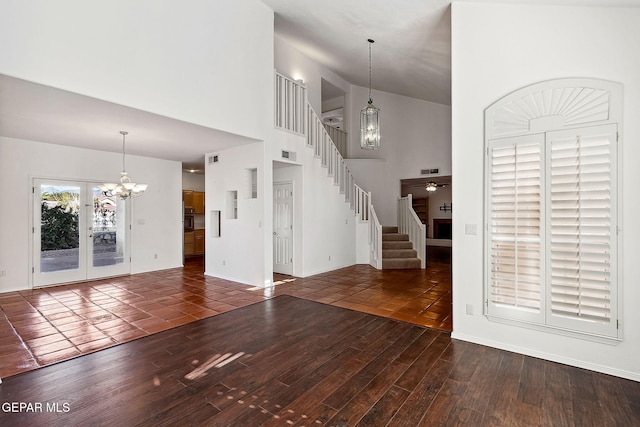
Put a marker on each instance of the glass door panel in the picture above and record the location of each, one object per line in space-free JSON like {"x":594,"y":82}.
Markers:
{"x":108,"y":235}
{"x":58,"y":232}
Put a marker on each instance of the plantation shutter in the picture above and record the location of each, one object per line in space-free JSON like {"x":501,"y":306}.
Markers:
{"x":551,"y":208}
{"x":516,"y":228}
{"x":581,"y":234}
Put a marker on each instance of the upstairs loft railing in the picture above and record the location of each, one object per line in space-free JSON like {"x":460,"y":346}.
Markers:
{"x":409,"y":223}
{"x":339,"y":138}
{"x":290,"y":101}
{"x":293,"y":113}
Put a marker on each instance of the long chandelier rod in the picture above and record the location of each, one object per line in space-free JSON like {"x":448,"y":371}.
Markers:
{"x":370,"y":43}
{"x":124,"y":133}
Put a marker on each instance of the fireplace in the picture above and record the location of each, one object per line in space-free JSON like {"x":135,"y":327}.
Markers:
{"x":442,"y":228}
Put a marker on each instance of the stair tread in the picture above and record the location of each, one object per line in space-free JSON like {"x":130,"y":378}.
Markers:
{"x":394,"y":236}
{"x":397,"y":244}
{"x":401,"y":263}
{"x":399,"y":253}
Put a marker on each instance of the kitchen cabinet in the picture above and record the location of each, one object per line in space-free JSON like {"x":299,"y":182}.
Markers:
{"x":187,"y":198}
{"x":198,"y":202}
{"x":189,"y":243}
{"x":198,"y":244}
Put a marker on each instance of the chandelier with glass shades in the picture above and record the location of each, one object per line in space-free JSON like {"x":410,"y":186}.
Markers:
{"x":125,"y":188}
{"x":370,"y":118}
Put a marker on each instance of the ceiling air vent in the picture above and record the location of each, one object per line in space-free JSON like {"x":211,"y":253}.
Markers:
{"x":213,"y":159}
{"x":289,"y":155}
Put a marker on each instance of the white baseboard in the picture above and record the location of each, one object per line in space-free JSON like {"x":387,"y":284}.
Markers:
{"x":634,"y":376}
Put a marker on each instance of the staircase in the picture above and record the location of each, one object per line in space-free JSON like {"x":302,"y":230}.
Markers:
{"x":388,"y":249}
{"x":397,"y":250}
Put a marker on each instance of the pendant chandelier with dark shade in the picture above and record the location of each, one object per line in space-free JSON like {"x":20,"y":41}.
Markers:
{"x":125,"y":188}
{"x":370,"y":118}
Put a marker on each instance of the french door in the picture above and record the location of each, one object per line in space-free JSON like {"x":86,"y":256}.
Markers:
{"x":78,"y":233}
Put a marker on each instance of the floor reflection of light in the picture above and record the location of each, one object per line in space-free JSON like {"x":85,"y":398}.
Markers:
{"x":216,"y":361}
{"x":268,"y":289}
{"x":156,"y":381}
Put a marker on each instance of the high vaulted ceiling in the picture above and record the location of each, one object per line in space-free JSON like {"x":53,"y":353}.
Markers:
{"x":412,"y":50}
{"x":411,"y":56}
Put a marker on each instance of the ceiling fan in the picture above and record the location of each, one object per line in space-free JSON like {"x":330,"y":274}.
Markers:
{"x":431,"y":186}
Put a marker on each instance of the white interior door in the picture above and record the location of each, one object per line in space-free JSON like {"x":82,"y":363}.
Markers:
{"x":283,"y":228}
{"x":78,"y":233}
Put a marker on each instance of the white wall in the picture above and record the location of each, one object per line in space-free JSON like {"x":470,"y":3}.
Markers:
{"x":201,"y":61}
{"x":239,"y":253}
{"x":415,"y":135}
{"x":156,"y":216}
{"x":329,"y":223}
{"x":498,"y":48}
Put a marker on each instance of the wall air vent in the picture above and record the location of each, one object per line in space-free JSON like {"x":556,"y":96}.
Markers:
{"x":213,"y":159}
{"x":429,"y":171}
{"x":289,"y":155}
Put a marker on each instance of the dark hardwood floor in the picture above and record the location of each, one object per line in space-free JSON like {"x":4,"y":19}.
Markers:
{"x":289,"y":361}
{"x":39,"y":327}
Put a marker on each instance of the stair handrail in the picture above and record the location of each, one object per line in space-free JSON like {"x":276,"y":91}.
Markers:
{"x":375,"y":237}
{"x":410,"y":224}
{"x":294,"y":113}
{"x":339,"y":138}
{"x":362,"y":201}
{"x":323,"y":148}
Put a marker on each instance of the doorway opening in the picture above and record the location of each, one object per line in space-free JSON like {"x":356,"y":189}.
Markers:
{"x":434,"y":209}
{"x":431,"y":197}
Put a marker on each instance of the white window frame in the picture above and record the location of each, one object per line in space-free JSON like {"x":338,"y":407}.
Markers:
{"x":539,"y":114}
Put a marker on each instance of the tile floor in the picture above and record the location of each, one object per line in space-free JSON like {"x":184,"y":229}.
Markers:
{"x":43,"y":326}
{"x":422,"y":297}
